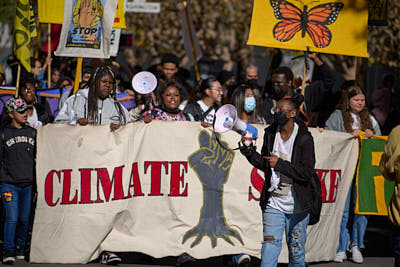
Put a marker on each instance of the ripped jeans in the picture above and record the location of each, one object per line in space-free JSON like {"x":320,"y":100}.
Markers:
{"x":295,"y":225}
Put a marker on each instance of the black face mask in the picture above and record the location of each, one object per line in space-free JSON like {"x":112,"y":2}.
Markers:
{"x":168,"y":110}
{"x":276,"y":92}
{"x":280,"y":118}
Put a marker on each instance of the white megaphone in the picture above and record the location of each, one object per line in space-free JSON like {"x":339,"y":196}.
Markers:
{"x":226,"y":119}
{"x":144,"y":82}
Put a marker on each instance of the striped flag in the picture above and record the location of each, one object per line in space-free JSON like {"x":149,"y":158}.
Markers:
{"x":24,"y":29}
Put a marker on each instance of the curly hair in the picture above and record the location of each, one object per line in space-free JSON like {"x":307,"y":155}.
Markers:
{"x":344,"y":107}
{"x":93,"y":113}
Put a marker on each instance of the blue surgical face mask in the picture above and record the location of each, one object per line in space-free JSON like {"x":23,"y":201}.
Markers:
{"x":250,"y":104}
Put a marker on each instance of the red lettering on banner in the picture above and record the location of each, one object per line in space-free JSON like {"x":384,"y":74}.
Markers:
{"x":177,"y":179}
{"x":135,"y":182}
{"x":85,"y":186}
{"x":104,"y":179}
{"x":155,"y":189}
{"x":257,"y":181}
{"x":48,"y":187}
{"x":336,"y":177}
{"x":113,"y":189}
{"x":322,"y":175}
{"x":66,"y":190}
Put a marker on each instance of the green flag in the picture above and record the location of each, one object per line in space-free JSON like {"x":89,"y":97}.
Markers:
{"x":373,"y":191}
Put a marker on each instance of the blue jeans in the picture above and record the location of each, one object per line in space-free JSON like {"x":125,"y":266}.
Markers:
{"x":17,"y":203}
{"x":295,"y":225}
{"x":359,"y":224}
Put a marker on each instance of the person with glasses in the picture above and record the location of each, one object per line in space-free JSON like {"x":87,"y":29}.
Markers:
{"x":40,"y":112}
{"x":17,"y":169}
{"x":288,"y":160}
{"x":205,"y":101}
{"x":97,"y":105}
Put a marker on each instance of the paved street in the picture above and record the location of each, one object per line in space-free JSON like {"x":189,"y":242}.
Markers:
{"x":377,"y":253}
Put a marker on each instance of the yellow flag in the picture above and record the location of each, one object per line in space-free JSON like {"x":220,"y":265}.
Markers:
{"x":32,"y":22}
{"x":325,"y":26}
{"x":22,"y":34}
{"x":52,"y":11}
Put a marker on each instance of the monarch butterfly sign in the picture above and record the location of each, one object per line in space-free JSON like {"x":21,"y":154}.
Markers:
{"x":326,"y":26}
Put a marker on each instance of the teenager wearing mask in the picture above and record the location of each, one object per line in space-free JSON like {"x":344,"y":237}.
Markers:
{"x":288,"y":160}
{"x":205,"y":101}
{"x":96,"y":105}
{"x":319,"y":95}
{"x":247,"y":98}
{"x":17,"y":170}
{"x":352,"y":116}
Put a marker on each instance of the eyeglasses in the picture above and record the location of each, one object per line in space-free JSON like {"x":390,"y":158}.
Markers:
{"x":26,"y":90}
{"x":109,"y":82}
{"x":219,"y":90}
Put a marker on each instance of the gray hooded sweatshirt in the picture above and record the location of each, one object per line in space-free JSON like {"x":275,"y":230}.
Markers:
{"x":76,"y":107}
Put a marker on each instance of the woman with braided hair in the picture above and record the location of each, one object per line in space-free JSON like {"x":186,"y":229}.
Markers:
{"x":96,"y":105}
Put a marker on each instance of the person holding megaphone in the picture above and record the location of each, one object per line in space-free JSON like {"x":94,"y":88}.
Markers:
{"x":288,"y":160}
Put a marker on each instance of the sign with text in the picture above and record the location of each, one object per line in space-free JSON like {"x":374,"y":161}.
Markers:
{"x":373,"y":191}
{"x":165,"y":188}
{"x":141,"y":6}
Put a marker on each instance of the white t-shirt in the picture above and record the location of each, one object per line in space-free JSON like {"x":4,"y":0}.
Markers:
{"x":210,"y":116}
{"x":33,"y":120}
{"x":282,"y":186}
{"x":357,"y":124}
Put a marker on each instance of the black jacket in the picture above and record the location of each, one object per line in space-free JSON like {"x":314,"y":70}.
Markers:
{"x":300,"y":169}
{"x":17,"y":155}
{"x":321,"y":97}
{"x":197,"y":112}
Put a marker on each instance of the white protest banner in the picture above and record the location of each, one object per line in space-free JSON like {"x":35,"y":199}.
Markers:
{"x":165,"y":188}
{"x":86,"y":28}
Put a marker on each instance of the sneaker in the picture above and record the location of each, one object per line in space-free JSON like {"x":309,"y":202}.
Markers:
{"x":20,"y":252}
{"x":340,"y":256}
{"x":184,"y":260}
{"x":8,"y":258}
{"x":356,"y":255}
{"x":241,"y":260}
{"x":110,"y":258}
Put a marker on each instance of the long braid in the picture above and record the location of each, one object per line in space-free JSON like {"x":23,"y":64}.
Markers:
{"x":93,"y":95}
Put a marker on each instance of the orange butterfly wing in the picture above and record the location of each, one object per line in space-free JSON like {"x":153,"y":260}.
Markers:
{"x":285,"y":30}
{"x":314,"y":24}
{"x":291,"y":16}
{"x":325,"y":14}
{"x":318,"y":17}
{"x":320,"y":34}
